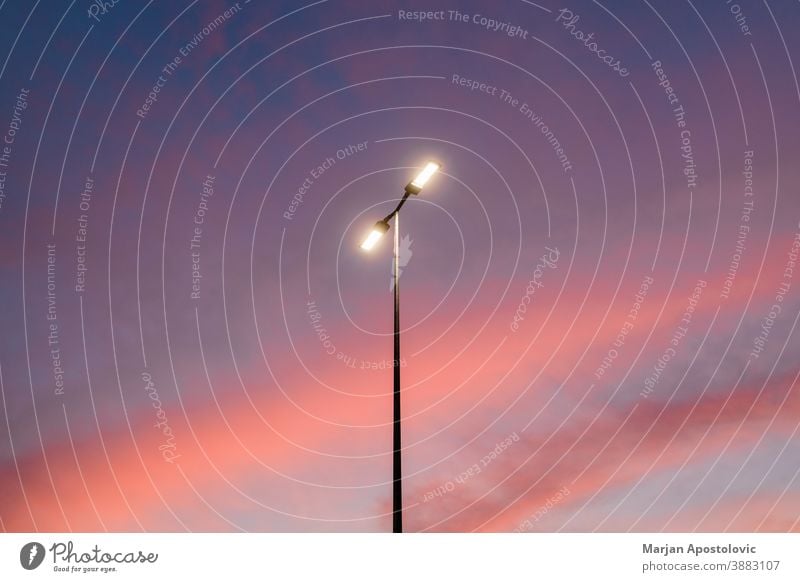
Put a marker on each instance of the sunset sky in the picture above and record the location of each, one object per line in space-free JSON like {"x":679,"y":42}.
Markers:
{"x":600,"y":288}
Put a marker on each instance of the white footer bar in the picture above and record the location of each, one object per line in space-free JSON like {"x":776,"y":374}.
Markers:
{"x":415,"y":557}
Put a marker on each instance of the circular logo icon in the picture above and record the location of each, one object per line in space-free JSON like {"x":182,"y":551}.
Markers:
{"x":31,"y":555}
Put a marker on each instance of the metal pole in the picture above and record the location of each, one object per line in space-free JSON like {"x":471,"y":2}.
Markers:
{"x":397,"y":492}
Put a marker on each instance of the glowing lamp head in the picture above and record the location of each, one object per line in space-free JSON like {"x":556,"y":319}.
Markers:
{"x":415,"y":186}
{"x":373,"y":237}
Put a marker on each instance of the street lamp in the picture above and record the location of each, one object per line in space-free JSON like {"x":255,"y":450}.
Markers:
{"x":382,"y":227}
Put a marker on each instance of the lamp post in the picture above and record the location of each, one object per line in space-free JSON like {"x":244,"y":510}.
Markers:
{"x":382,"y":227}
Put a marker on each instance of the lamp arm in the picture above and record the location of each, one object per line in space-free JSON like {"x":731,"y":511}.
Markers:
{"x":399,"y":205}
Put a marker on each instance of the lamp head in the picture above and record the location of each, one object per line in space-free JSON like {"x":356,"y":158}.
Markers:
{"x":375,"y":235}
{"x":415,"y":186}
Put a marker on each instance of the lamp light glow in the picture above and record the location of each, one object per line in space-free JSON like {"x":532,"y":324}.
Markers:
{"x":430,"y":169}
{"x":373,"y":237}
